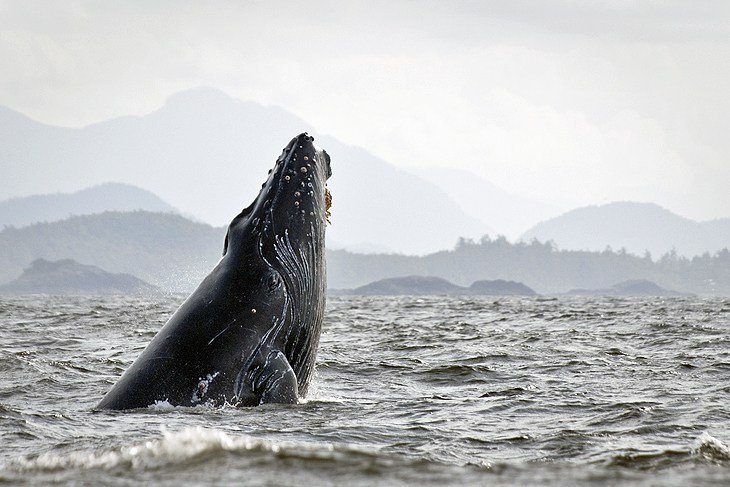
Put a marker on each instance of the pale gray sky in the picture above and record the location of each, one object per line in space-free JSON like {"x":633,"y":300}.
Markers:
{"x":573,"y":102}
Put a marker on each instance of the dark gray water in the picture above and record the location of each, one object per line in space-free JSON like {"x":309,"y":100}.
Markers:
{"x":408,"y":391}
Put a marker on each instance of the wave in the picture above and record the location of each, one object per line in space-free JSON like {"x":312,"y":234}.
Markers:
{"x":181,"y":447}
{"x":711,"y":449}
{"x":202,"y":456}
{"x":707,"y":449}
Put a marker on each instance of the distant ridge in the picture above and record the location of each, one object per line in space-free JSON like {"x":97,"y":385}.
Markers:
{"x":635,"y":287}
{"x":207,"y":153}
{"x":540,"y":266}
{"x":409,"y":285}
{"x":636,"y":227}
{"x":430,"y":285}
{"x":175,"y":254}
{"x":502,"y":212}
{"x":23,"y":211}
{"x":500,"y":287}
{"x":69,"y":277}
{"x":164,"y":249}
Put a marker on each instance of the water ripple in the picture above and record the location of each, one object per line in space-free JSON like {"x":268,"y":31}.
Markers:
{"x":427,"y":390}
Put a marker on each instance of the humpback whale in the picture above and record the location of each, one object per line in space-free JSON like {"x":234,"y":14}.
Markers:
{"x":249,"y":333}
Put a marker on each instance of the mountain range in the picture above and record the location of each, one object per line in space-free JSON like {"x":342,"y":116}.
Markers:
{"x":23,"y":211}
{"x":501,"y":212}
{"x":164,"y":249}
{"x":635,"y":227}
{"x":174,"y":253}
{"x":207,"y":154}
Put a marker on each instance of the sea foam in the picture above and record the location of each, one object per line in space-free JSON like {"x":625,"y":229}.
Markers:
{"x":180,"y":447}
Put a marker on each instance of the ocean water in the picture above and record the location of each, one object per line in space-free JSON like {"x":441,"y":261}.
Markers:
{"x":408,"y":391}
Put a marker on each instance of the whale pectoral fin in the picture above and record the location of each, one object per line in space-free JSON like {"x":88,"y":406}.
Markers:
{"x":277,"y":381}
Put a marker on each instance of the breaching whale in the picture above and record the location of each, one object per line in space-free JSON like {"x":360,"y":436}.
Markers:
{"x":249,"y":333}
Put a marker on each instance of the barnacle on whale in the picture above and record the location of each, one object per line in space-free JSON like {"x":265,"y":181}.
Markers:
{"x":328,"y":203}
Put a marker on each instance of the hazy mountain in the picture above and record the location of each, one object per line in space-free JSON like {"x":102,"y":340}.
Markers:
{"x":376,"y":205}
{"x":407,"y":286}
{"x":164,"y":249}
{"x":637,"y":227}
{"x":501,"y":212}
{"x":67,"y":276}
{"x":97,"y":199}
{"x":638,"y":287}
{"x":430,"y":285}
{"x":500,"y":287}
{"x":207,"y":154}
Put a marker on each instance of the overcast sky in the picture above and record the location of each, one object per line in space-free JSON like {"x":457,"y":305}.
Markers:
{"x":574,"y":102}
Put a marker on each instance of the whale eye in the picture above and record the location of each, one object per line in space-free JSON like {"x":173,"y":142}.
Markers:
{"x":273,"y":281}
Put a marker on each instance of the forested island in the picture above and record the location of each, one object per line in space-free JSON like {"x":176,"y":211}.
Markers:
{"x":541,"y":266}
{"x":430,"y":285}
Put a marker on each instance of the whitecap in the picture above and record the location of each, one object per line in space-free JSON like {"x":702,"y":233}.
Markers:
{"x":710,"y":448}
{"x":179,"y":447}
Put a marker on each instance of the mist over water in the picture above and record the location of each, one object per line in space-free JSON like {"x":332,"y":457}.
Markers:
{"x":430,"y":390}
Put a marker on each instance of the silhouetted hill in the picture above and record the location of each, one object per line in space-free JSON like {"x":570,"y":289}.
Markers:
{"x":69,"y":277}
{"x":207,"y":154}
{"x":430,"y":286}
{"x":24,"y":211}
{"x":636,"y":227}
{"x":408,"y":286}
{"x":164,"y":249}
{"x":638,"y":287}
{"x":500,"y":287}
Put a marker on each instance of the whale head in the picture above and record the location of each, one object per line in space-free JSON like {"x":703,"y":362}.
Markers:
{"x":284,"y":230}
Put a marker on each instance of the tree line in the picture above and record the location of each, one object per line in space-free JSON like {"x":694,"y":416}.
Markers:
{"x":175,"y":254}
{"x":540,"y":265}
